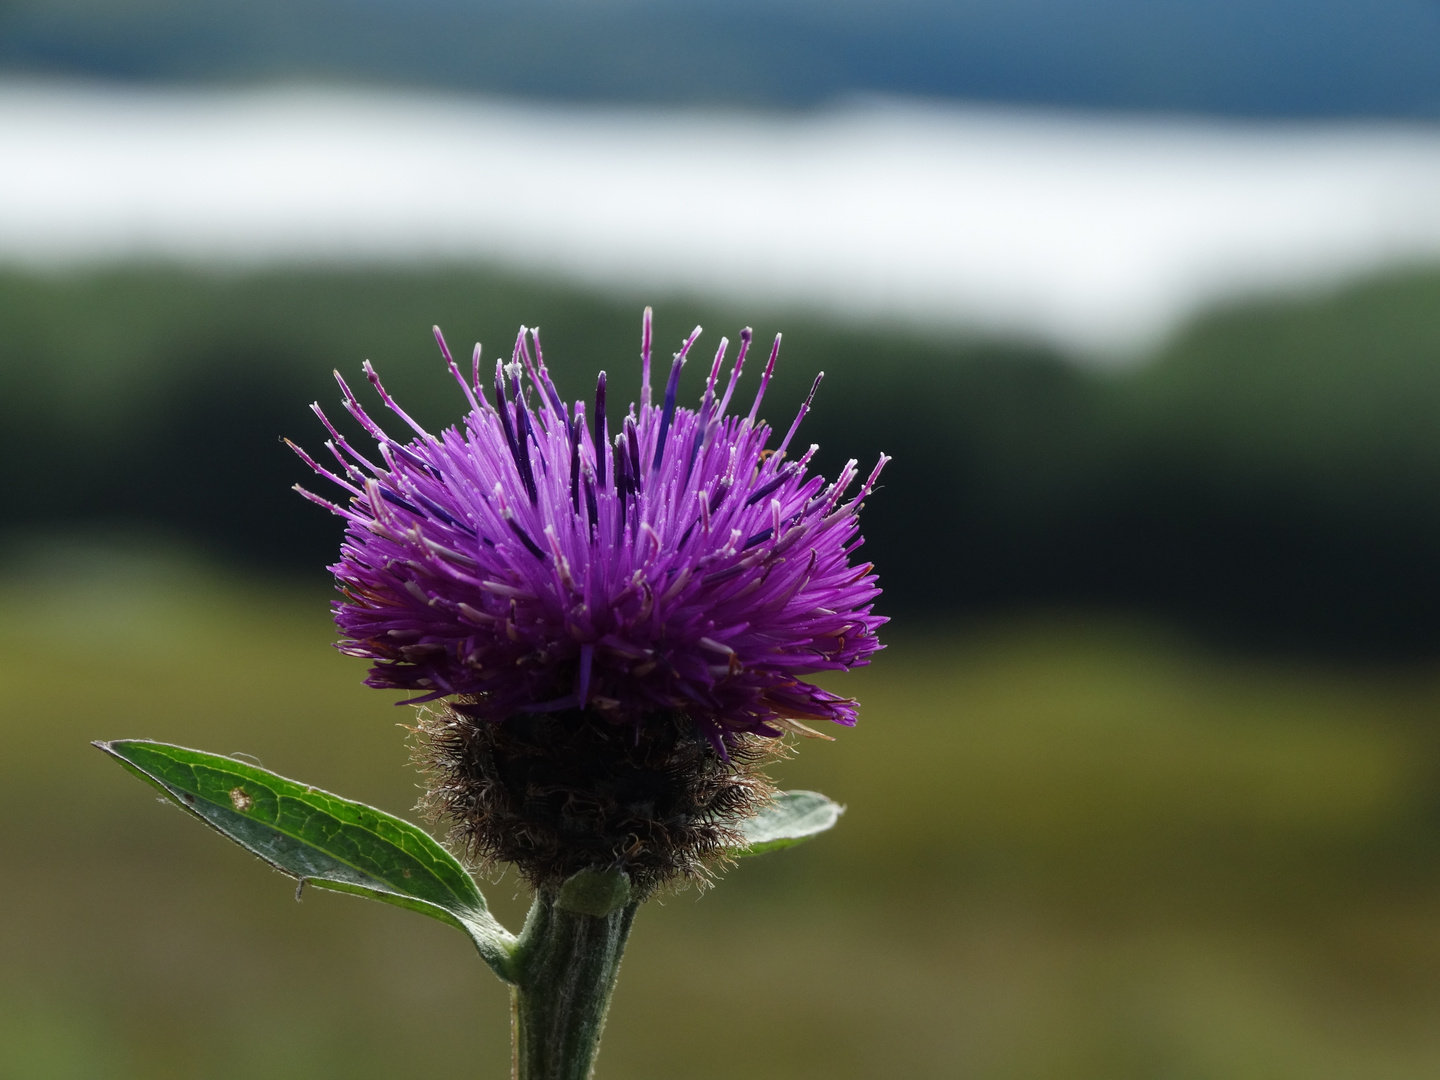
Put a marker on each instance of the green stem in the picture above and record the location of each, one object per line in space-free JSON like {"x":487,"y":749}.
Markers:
{"x":565,"y":965}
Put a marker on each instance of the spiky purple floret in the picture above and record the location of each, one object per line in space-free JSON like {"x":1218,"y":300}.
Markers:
{"x":522,"y":564}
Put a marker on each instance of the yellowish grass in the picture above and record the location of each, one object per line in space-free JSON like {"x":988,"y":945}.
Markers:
{"x":1074,"y":849}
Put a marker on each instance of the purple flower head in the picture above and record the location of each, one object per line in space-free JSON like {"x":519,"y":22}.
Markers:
{"x":662,"y":560}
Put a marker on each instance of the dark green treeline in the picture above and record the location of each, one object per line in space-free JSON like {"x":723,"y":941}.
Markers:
{"x":1271,"y":479}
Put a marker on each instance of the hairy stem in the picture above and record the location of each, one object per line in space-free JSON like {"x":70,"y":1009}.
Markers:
{"x":565,"y":967}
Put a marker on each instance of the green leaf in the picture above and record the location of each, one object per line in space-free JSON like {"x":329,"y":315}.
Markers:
{"x":320,"y":838}
{"x":793,"y":818}
{"x":594,"y":892}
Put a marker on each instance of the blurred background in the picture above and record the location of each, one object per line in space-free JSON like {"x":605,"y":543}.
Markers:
{"x":1144,"y":299}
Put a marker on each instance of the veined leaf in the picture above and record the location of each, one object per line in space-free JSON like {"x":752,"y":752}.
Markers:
{"x":320,"y":838}
{"x":793,"y":818}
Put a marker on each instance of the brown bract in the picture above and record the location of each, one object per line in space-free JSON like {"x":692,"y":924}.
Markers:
{"x":556,"y":793}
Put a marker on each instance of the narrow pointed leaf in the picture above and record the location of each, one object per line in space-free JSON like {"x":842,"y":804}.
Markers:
{"x":793,"y":818}
{"x":320,"y":838}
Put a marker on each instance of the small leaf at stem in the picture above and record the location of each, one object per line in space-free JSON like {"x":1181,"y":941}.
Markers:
{"x":793,"y":818}
{"x":321,"y":839}
{"x":594,"y":892}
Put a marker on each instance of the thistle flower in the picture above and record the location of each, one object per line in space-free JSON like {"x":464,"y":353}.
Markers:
{"x":613,"y":593}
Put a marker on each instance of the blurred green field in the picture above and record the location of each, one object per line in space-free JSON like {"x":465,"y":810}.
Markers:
{"x":1075,"y":848}
{"x":1082,"y":844}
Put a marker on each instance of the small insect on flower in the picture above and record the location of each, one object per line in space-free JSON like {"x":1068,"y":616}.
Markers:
{"x":613,"y":613}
